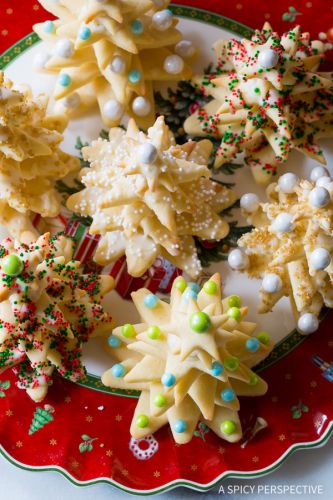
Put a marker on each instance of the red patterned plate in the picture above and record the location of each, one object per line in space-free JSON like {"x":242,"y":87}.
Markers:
{"x":82,"y":431}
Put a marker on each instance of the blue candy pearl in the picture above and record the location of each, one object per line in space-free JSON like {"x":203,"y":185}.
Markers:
{"x":150,"y":301}
{"x":194,"y":286}
{"x":252,"y":344}
{"x":137,"y":27}
{"x":113,"y":341}
{"x":228,"y":394}
{"x":189,"y":294}
{"x":216,"y":369}
{"x":49,"y":27}
{"x":168,"y":379}
{"x":180,"y":425}
{"x":65,"y":80}
{"x":118,"y":370}
{"x":134,"y":76}
{"x":85,"y":33}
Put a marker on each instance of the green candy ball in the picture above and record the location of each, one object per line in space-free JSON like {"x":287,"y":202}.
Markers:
{"x":210,"y":287}
{"x":12,"y":265}
{"x":234,"y":301}
{"x":142,"y":421}
{"x":263,"y":337}
{"x":253,"y":379}
{"x":160,"y":400}
{"x":181,"y":285}
{"x":128,"y":331}
{"x":199,"y":322}
{"x":154,"y":332}
{"x":228,"y":427}
{"x":231,"y":363}
{"x":234,"y":313}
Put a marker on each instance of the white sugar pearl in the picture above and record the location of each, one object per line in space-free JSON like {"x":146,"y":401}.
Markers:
{"x":320,"y":259}
{"x":283,"y":223}
{"x":64,"y":48}
{"x":113,"y":109}
{"x":323,"y":181}
{"x":40,"y":60}
{"x":147,"y":153}
{"x":268,"y":58}
{"x":118,"y":65}
{"x":238,"y":260}
{"x":318,"y":172}
{"x":308,"y":323}
{"x":319,"y":197}
{"x":173,"y":64}
{"x":288,"y":182}
{"x":72,"y":101}
{"x":141,"y":106}
{"x":185,"y":48}
{"x":162,"y":20}
{"x":249,"y":202}
{"x":271,"y":283}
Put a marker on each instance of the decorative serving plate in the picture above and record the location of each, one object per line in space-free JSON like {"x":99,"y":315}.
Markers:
{"x":82,"y":431}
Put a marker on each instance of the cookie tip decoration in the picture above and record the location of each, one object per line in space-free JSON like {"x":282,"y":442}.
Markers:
{"x":149,"y":197}
{"x":268,"y":98}
{"x":48,"y":309}
{"x":191,"y":359}
{"x":106,"y":53}
{"x":290,"y":248}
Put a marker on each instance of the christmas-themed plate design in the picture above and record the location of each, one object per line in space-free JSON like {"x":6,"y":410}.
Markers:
{"x":82,"y":431}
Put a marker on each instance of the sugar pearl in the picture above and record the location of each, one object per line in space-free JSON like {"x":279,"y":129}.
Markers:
{"x":320,"y":259}
{"x":118,"y":65}
{"x":64,"y":80}
{"x":185,"y":48}
{"x":249,"y":202}
{"x":319,"y":197}
{"x":137,"y":27}
{"x":271,"y":283}
{"x":72,"y":101}
{"x":308,"y":323}
{"x":162,"y":20}
{"x":288,"y":182}
{"x":147,"y":153}
{"x":318,"y":172}
{"x":323,"y":181}
{"x":141,"y":106}
{"x":49,"y":27}
{"x":173,"y":64}
{"x":268,"y":58}
{"x":64,"y":48}
{"x":40,"y":60}
{"x":238,"y":260}
{"x":113,"y":109}
{"x":283,"y":223}
{"x":84,"y":33}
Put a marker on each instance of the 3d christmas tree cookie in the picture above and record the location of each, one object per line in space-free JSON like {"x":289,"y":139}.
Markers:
{"x":291,"y":246}
{"x":31,"y":160}
{"x":190,"y":358}
{"x":268,"y":98}
{"x":48,"y":309}
{"x":149,"y":196}
{"x":112,"y":52}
